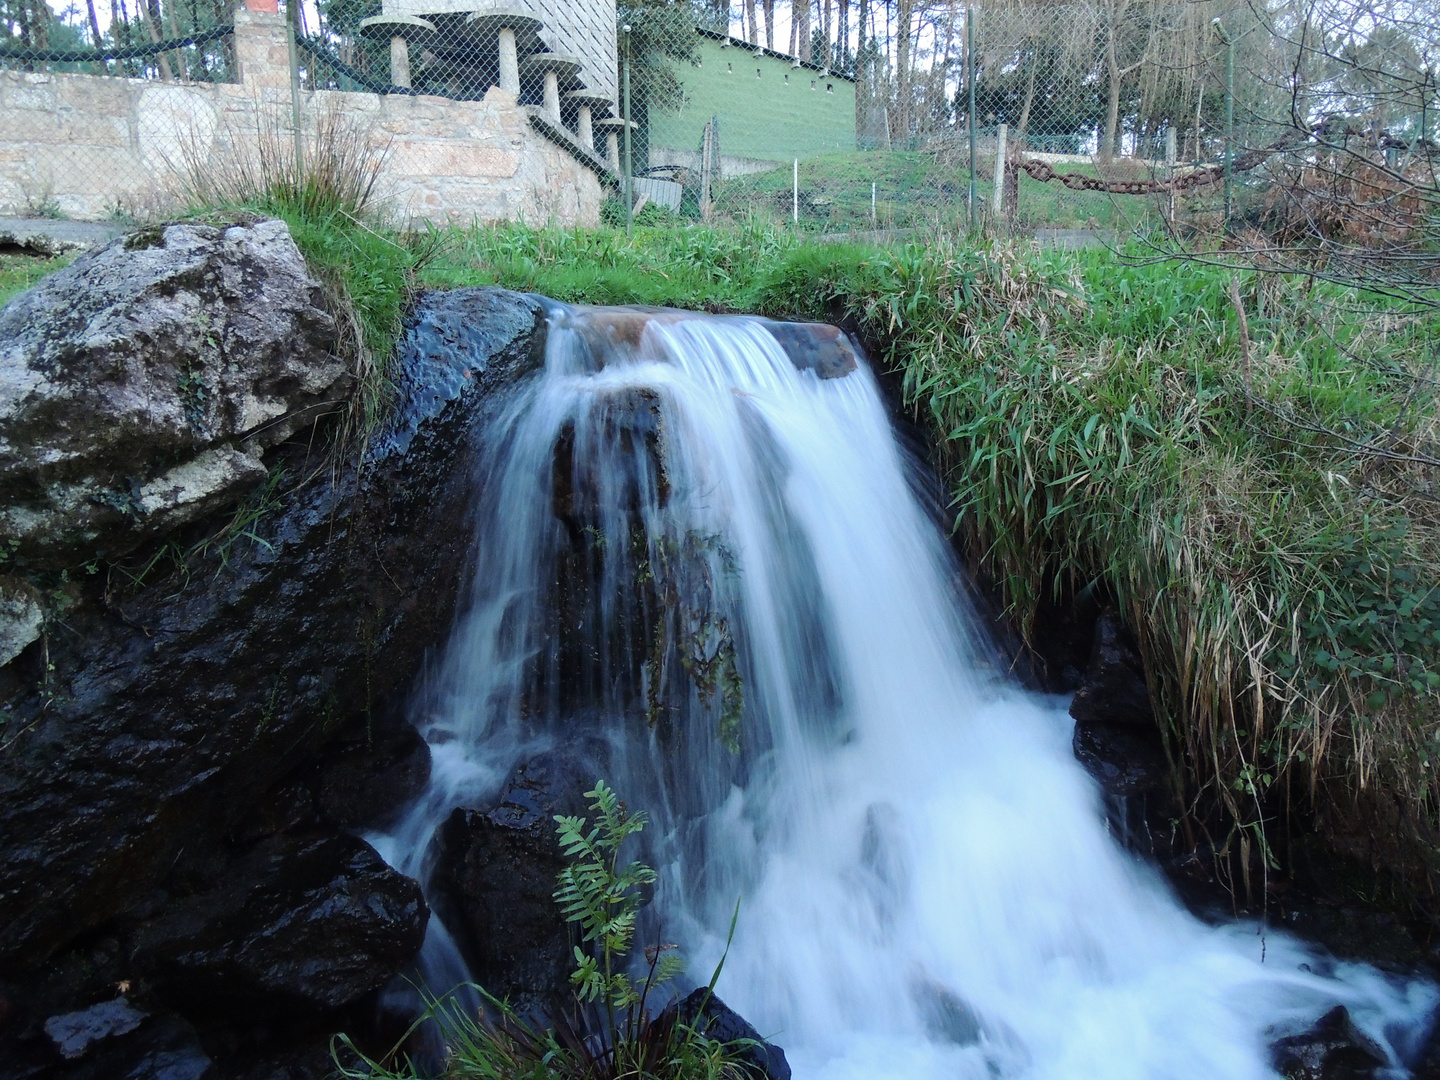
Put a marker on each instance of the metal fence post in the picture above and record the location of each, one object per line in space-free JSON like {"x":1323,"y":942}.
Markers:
{"x":1170,"y":157}
{"x":997,"y":207}
{"x":970,"y":122}
{"x":625,"y":79}
{"x":292,"y":8}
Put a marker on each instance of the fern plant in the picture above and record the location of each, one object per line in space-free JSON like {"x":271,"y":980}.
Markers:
{"x":604,"y":899}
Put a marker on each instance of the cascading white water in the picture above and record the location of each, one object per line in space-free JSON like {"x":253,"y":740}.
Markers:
{"x":927,"y":886}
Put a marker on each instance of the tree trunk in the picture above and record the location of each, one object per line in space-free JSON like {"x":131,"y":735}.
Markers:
{"x":94,"y":24}
{"x":1024,"y":122}
{"x":150,"y":14}
{"x":842,"y":36}
{"x":904,"y":13}
{"x":825,"y":29}
{"x":1112,"y":110}
{"x":862,"y":73}
{"x":175,"y":33}
{"x":769,"y":6}
{"x":800,"y":15}
{"x":754,"y":38}
{"x":940,"y":105}
{"x":35,"y":24}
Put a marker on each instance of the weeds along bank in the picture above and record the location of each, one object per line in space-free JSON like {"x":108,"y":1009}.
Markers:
{"x":1259,"y":503}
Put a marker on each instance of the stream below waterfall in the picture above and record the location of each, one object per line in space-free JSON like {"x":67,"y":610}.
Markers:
{"x":693,"y":548}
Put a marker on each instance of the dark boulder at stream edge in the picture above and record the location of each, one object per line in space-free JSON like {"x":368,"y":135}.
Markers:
{"x":1333,"y":1048}
{"x":301,"y":925}
{"x":494,"y":876}
{"x":1113,"y":689}
{"x":179,"y":751}
{"x":711,"y":1017}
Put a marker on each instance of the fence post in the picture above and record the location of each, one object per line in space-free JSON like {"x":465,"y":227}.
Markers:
{"x":970,"y":122}
{"x":1229,"y":130}
{"x":629,"y":192}
{"x":1170,"y":155}
{"x":1224,"y":36}
{"x":292,"y":8}
{"x":707,"y":151}
{"x":998,"y":205}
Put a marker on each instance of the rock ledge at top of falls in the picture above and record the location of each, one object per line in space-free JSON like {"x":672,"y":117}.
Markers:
{"x":150,"y":740}
{"x":140,"y":385}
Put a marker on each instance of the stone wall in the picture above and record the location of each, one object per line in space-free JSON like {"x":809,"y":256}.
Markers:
{"x":91,"y":146}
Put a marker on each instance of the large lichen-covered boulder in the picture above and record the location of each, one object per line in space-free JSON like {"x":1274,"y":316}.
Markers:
{"x":140,"y":386}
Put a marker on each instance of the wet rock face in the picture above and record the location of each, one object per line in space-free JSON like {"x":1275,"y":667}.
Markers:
{"x":147,"y":732}
{"x":817,"y":347}
{"x":140,"y":385}
{"x":1115,"y":734}
{"x":494,"y":878}
{"x":712,"y":1017}
{"x":299,"y":926}
{"x":1126,"y":759}
{"x":1113,"y":689}
{"x":1333,"y":1049}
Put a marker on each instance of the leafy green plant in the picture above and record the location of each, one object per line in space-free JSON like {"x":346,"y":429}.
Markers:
{"x":603,"y":898}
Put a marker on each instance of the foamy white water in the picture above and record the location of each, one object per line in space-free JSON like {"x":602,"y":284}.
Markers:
{"x":927,"y":886}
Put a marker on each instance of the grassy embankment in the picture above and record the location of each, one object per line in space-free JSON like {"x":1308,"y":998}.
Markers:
{"x":1262,"y":507}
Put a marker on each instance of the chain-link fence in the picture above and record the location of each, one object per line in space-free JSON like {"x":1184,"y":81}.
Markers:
{"x":68,"y":146}
{"x":1109,"y":115}
{"x":834,"y":115}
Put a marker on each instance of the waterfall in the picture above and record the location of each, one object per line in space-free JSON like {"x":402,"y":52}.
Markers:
{"x":691,"y":545}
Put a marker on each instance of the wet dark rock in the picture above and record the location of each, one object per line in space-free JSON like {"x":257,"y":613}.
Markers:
{"x":298,"y":926}
{"x":21,"y":617}
{"x":288,"y":807}
{"x":1333,"y":1049}
{"x":74,"y":1033}
{"x":143,"y":382}
{"x":157,"y":1047}
{"x":713,"y":1018}
{"x":494,"y":878}
{"x":161,"y":719}
{"x":817,"y":347}
{"x":367,"y":783}
{"x":1113,"y":689}
{"x":310,"y":1061}
{"x":947,"y":1016}
{"x":1125,"y":759}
